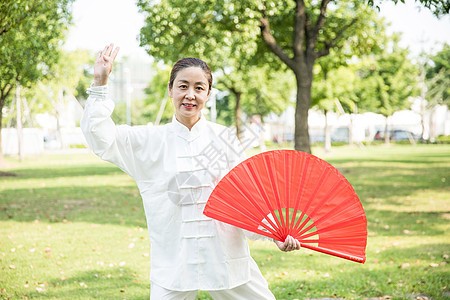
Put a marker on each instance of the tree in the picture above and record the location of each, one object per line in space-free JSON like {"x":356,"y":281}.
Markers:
{"x":169,"y":37}
{"x":334,"y":83}
{"x":270,"y":91}
{"x":61,"y":83}
{"x":337,"y":85}
{"x":157,"y":103}
{"x":51,"y":93}
{"x":315,"y":30}
{"x":435,"y":88}
{"x":387,"y":80}
{"x":31,"y":33}
{"x":437,"y":77}
{"x":437,"y":7}
{"x":13,"y":13}
{"x":257,"y":90}
{"x":235,"y":34}
{"x":212,"y":32}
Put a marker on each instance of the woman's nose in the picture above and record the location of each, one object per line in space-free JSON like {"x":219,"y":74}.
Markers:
{"x":190,"y":94}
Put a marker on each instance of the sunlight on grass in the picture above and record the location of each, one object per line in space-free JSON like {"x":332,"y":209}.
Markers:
{"x":73,"y":227}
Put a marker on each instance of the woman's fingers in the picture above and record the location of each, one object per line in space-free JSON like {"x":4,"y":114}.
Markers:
{"x":104,"y":63}
{"x":289,"y":244}
{"x":108,"y":54}
{"x":109,"y":50}
{"x":292,"y":243}
{"x":104,"y":50}
{"x":114,"y":54}
{"x":297,"y":244}
{"x":99,"y":56}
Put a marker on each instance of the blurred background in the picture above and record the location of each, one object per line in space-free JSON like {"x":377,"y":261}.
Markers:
{"x":378,"y":71}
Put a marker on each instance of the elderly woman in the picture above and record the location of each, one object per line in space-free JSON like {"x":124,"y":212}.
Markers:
{"x":175,"y":173}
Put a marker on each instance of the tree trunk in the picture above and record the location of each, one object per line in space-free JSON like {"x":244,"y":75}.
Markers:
{"x":327,"y":135}
{"x":350,"y":130}
{"x":19,"y":123}
{"x":423,"y":102}
{"x":422,"y":119}
{"x":2,"y":161}
{"x":237,"y":114}
{"x":59,"y":112}
{"x":431,"y":130}
{"x":386,"y":132}
{"x":305,"y":37}
{"x":3,"y":95}
{"x":301,"y":114}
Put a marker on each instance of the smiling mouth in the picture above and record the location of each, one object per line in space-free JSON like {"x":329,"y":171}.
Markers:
{"x":188,"y":105}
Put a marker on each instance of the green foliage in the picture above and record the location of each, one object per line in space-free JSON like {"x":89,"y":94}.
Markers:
{"x":13,"y":13}
{"x":64,"y":77}
{"x":443,"y":139}
{"x":387,"y":80}
{"x":119,"y":114}
{"x":37,"y":102}
{"x":268,"y":91}
{"x":263,"y":89}
{"x":225,"y":109}
{"x":156,"y":93}
{"x":225,"y":35}
{"x":85,"y":75}
{"x":216,"y":32}
{"x":70,"y":69}
{"x":438,"y":77}
{"x":334,"y":74}
{"x":365,"y":35}
{"x":30,"y":37}
{"x":339,"y":84}
{"x":437,"y":7}
{"x":320,"y":28}
{"x":30,"y":46}
{"x":229,"y":36}
{"x":144,"y":111}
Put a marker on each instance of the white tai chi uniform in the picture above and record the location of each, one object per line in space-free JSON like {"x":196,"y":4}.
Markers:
{"x":176,"y":170}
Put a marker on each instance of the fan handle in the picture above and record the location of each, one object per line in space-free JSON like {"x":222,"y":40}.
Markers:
{"x":335,"y":253}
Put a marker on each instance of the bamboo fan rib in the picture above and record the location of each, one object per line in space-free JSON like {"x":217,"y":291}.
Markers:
{"x":286,"y":192}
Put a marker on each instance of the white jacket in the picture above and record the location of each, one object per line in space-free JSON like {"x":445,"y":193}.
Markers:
{"x":176,"y":170}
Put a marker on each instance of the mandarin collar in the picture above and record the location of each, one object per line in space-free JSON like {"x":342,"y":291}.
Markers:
{"x":184,"y":132}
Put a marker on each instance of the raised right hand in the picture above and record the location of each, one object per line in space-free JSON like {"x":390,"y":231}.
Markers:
{"x":103,"y":64}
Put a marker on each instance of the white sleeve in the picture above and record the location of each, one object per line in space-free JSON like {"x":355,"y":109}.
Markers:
{"x":108,"y":141}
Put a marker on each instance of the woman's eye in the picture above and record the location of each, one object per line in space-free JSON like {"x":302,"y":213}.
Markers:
{"x":183,"y":86}
{"x":200,"y":88}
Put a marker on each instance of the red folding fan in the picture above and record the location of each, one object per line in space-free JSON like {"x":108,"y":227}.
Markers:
{"x":287,"y":192}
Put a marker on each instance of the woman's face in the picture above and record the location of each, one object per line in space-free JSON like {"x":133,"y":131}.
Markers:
{"x":189,"y":92}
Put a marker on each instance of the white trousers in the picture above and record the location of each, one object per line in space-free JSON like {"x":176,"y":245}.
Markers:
{"x":256,"y":288}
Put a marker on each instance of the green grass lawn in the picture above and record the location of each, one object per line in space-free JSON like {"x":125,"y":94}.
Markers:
{"x":73,"y":227}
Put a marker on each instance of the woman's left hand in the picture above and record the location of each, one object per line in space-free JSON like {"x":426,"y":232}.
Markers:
{"x":290,"y":244}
